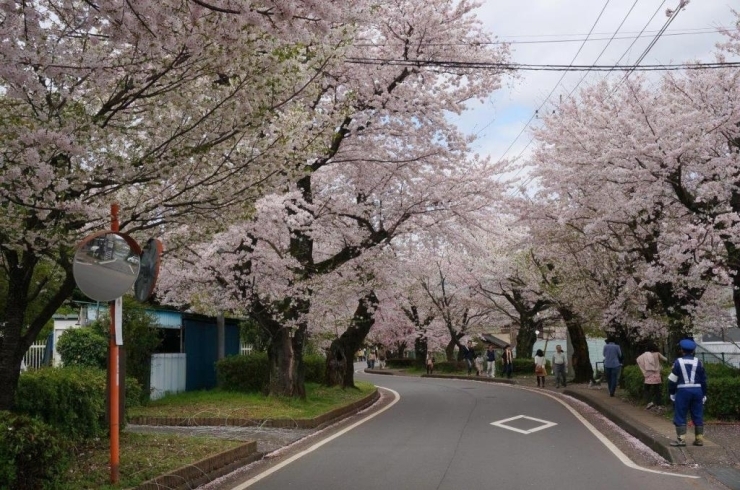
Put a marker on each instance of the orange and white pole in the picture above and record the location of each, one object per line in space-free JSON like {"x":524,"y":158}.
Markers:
{"x":113,"y":381}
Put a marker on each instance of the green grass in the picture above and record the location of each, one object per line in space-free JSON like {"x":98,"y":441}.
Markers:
{"x":146,"y":456}
{"x":142,"y":457}
{"x":216,"y":403}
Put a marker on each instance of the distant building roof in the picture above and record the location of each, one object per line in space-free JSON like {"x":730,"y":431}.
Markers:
{"x":492,"y":339}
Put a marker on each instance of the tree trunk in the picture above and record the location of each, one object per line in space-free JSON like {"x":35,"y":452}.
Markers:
{"x":17,"y":330}
{"x":285,"y":356}
{"x":340,"y":368}
{"x":401,"y":348}
{"x":580,"y":359}
{"x":420,"y":350}
{"x":450,"y":350}
{"x":10,"y":361}
{"x":285,"y":350}
{"x":526,"y":336}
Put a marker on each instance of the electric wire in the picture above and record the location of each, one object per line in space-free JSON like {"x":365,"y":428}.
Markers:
{"x":531,"y":118}
{"x":660,"y":32}
{"x":482,"y":65}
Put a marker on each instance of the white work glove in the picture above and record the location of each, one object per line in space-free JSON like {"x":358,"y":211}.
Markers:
{"x":673,"y":398}
{"x":703,"y":400}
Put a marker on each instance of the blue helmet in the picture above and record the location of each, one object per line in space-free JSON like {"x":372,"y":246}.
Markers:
{"x":687,"y":345}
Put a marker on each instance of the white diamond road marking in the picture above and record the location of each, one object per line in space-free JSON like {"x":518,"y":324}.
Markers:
{"x":502,"y":423}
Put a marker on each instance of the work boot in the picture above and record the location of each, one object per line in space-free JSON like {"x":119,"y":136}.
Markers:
{"x":699,"y":435}
{"x":680,"y":436}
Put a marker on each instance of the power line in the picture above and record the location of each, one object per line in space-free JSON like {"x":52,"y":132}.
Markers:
{"x":674,"y":14}
{"x":558,"y":41}
{"x":713,"y":29}
{"x":482,"y":65}
{"x":555,"y":87}
{"x":624,"y":19}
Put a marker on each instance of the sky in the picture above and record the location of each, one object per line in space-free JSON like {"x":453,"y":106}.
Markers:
{"x":498,"y":122}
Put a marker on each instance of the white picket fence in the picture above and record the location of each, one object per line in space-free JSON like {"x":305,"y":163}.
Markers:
{"x":245,"y":349}
{"x":34,"y":357}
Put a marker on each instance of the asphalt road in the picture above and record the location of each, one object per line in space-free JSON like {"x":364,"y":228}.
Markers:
{"x":456,"y":434}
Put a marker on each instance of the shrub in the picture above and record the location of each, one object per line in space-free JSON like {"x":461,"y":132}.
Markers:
{"x":32,"y":455}
{"x":520,"y":366}
{"x":633,"y":382}
{"x":252,"y":373}
{"x":401,"y":363}
{"x":83,"y":347}
{"x":141,"y":337}
{"x":315,"y":368}
{"x":243,"y":373}
{"x":717,"y":370}
{"x":71,"y":399}
{"x":450,"y":366}
{"x":723,"y":391}
{"x":723,"y":398}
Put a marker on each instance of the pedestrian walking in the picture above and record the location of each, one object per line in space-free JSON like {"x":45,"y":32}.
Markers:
{"x":469,"y":356}
{"x":479,"y":362}
{"x":649,"y":363}
{"x":381,"y":358}
{"x":507,"y":359}
{"x":491,"y":361}
{"x":371,"y":359}
{"x":559,"y":366}
{"x":430,"y":363}
{"x":612,"y":364}
{"x":687,"y":387}
{"x":539,"y":368}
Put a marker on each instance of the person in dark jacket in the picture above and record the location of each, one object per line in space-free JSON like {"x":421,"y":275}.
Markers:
{"x":469,"y":355}
{"x":491,"y":361}
{"x":507,"y":359}
{"x":687,"y":387}
{"x":612,"y":364}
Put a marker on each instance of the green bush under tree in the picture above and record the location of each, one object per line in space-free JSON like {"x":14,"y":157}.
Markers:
{"x":88,"y":346}
{"x":723,"y":389}
{"x":72,"y":399}
{"x":32,"y":454}
{"x":251,"y":374}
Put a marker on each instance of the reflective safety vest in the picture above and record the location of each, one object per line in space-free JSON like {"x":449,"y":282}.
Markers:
{"x":688,"y":368}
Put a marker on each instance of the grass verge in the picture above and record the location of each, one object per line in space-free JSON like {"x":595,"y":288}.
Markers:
{"x":142,"y":457}
{"x":227,"y":404}
{"x":146,"y":456}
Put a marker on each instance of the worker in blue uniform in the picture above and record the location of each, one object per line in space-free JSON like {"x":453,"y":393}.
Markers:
{"x":687,"y":387}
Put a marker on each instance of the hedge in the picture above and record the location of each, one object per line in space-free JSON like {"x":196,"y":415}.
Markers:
{"x":71,"y":399}
{"x":32,"y":454}
{"x":404,"y":363}
{"x":251,"y":373}
{"x":723,"y":389}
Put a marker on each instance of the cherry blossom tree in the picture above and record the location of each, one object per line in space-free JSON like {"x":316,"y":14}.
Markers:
{"x":388,"y":164}
{"x":636,"y":200}
{"x":177,"y":110}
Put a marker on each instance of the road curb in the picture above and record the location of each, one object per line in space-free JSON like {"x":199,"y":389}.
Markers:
{"x":652,"y":439}
{"x":205,"y":470}
{"x":208,"y":469}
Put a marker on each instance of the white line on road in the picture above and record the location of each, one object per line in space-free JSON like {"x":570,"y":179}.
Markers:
{"x":282,"y":464}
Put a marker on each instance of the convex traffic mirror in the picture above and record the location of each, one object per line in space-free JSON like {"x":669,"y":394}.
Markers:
{"x":106,"y":265}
